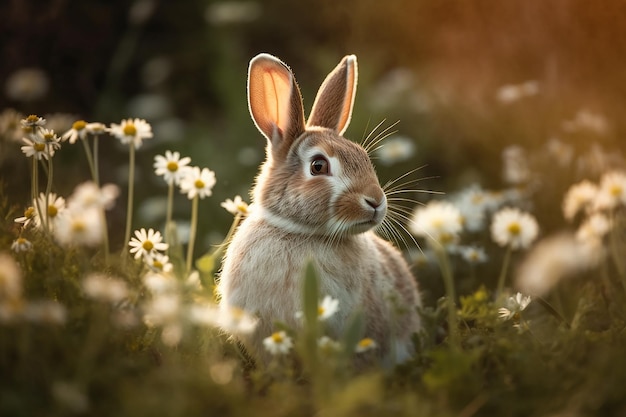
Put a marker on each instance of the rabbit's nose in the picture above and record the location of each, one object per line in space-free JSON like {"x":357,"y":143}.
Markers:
{"x":372,"y":202}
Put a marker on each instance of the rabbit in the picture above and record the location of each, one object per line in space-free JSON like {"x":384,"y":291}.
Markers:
{"x":317,"y":198}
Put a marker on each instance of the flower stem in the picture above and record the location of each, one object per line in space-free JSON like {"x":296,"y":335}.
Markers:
{"x":192,"y":232}
{"x":168,"y":214}
{"x":35,"y":190}
{"x":92,"y":167}
{"x":48,"y":191}
{"x":96,"y":169}
{"x":616,"y":251}
{"x":131,"y":193}
{"x":503,"y":272}
{"x":448,"y":282}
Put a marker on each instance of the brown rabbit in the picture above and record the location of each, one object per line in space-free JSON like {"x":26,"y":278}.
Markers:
{"x":316,"y":198}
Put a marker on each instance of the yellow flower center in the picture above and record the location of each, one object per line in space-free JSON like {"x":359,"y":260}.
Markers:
{"x":446,"y":238}
{"x":21,"y":241}
{"x":39,"y":147}
{"x":29,"y":212}
{"x":78,"y":226}
{"x":199,"y":183}
{"x":242,"y":208}
{"x":277,"y":338}
{"x":172,"y":166}
{"x":130,"y":129}
{"x":48,"y":137}
{"x":148,"y":245}
{"x":27,"y":129}
{"x":514,"y":228}
{"x":79,"y":125}
{"x":320,"y":310}
{"x":33,"y":118}
{"x":615,"y":190}
{"x":157,"y":265}
{"x":365,"y":343}
{"x":52,"y":210}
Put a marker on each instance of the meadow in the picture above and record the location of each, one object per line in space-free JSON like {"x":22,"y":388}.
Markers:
{"x":121,"y":185}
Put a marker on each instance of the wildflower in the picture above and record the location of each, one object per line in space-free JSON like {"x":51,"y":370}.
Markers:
{"x":29,"y":214}
{"x":158,"y":262}
{"x":33,"y":121}
{"x":10,"y":278}
{"x":162,"y":309}
{"x":27,"y":84}
{"x":204,"y":314}
{"x":327,"y":308}
{"x":593,"y":229}
{"x":278,"y":343}
{"x":328,"y":345}
{"x":50,"y":209}
{"x":396,"y":150}
{"x":80,"y":226}
{"x":132,"y":131}
{"x":159,"y":283}
{"x":237,"y":321}
{"x":104,"y":288}
{"x":513,"y":92}
{"x":578,"y":198}
{"x":197,"y":182}
{"x":37,"y":150}
{"x":611,"y":191}
{"x":515,"y":165}
{"x":78,"y":131}
{"x":146,"y":243}
{"x":514,"y":228}
{"x":560,"y":151}
{"x":236,"y":206}
{"x":89,"y":195}
{"x":171,"y":166}
{"x":21,"y":245}
{"x":49,"y":138}
{"x":473,"y":203}
{"x":513,"y":306}
{"x":473,"y":254}
{"x":95,"y":128}
{"x":439,"y":221}
{"x":365,"y":345}
{"x":10,"y":126}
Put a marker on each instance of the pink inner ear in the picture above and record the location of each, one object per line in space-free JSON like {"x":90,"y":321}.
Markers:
{"x":277,"y":92}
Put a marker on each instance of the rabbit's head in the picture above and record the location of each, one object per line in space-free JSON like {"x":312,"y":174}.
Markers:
{"x":314,"y":181}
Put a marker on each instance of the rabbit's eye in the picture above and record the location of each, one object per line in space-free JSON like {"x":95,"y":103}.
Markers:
{"x":319,"y":166}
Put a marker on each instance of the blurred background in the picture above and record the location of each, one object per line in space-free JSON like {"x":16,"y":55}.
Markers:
{"x":471,"y":83}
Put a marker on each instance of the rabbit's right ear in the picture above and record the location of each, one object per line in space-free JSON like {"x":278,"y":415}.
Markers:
{"x":274,"y":100}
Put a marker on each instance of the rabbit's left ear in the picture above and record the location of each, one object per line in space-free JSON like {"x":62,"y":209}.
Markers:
{"x":334,"y":101}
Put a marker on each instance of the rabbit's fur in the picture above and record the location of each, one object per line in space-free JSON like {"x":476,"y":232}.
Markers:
{"x":301,"y":215}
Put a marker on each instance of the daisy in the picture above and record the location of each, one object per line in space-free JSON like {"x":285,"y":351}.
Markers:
{"x":593,"y":229}
{"x":439,"y":221}
{"x":158,"y":262}
{"x":21,"y":245}
{"x":33,"y":121}
{"x":328,"y":345}
{"x":162,"y":309}
{"x":237,"y":321}
{"x":516,"y":169}
{"x":10,"y":126}
{"x":80,"y":227}
{"x":89,"y":195}
{"x":278,"y":343}
{"x":579,"y":197}
{"x":159,"y":283}
{"x":236,"y":206}
{"x":365,"y":345}
{"x":37,"y":150}
{"x":78,"y":131}
{"x":132,"y":131}
{"x":95,"y":128}
{"x":514,"y":228}
{"x":473,"y":203}
{"x":396,"y":150}
{"x":473,"y":254}
{"x":204,"y":314}
{"x":171,"y":166}
{"x":29,"y":214}
{"x":327,"y":308}
{"x":197,"y":182}
{"x":51,"y":209}
{"x":612,"y":191}
{"x":102,"y":287}
{"x":513,"y":306}
{"x":52,"y":141}
{"x":146,"y":243}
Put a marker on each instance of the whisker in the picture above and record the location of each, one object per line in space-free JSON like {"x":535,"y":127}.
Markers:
{"x":380,"y":137}
{"x":364,"y":143}
{"x":406,"y":174}
{"x":416,"y":190}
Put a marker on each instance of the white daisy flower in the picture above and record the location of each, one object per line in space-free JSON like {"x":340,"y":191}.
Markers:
{"x":237,"y":321}
{"x":161,"y":309}
{"x":29,"y":214}
{"x":513,"y":306}
{"x":158,"y":262}
{"x":159,"y":283}
{"x":279,"y":343}
{"x":103,"y":287}
{"x":49,"y":138}
{"x":89,"y":195}
{"x":579,"y":197}
{"x":197,"y":182}
{"x":10,"y":126}
{"x":52,"y":209}
{"x":21,"y":245}
{"x":593,"y":229}
{"x":33,"y":121}
{"x":327,"y":308}
{"x":78,"y":131}
{"x":396,"y":149}
{"x":171,"y":166}
{"x":35,"y":149}
{"x":146,"y":243}
{"x":79,"y":227}
{"x":611,"y":191}
{"x":474,"y":203}
{"x":204,"y":314}
{"x":365,"y":344}
{"x":96,"y":128}
{"x":131,"y":131}
{"x":515,"y":165}
{"x":514,"y":228}
{"x":439,"y":221}
{"x":510,"y":93}
{"x":328,"y":345}
{"x":236,"y":206}
{"x":473,"y":254}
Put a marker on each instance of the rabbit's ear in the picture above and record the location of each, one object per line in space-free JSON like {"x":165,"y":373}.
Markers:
{"x":335,"y":98}
{"x":274,"y":100}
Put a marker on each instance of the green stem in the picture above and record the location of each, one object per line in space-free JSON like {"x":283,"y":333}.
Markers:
{"x":131,"y":193}
{"x":168,"y":214}
{"x":448,"y":282}
{"x":192,"y":232}
{"x":35,"y":187}
{"x":616,"y":253}
{"x":218,"y":251}
{"x":503,"y":272}
{"x":48,"y":191}
{"x":96,"y":169}
{"x":92,"y":167}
